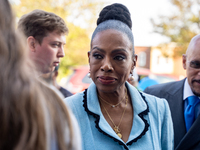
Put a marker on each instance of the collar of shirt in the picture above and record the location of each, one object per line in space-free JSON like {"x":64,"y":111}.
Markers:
{"x":186,"y":93}
{"x":187,"y":90}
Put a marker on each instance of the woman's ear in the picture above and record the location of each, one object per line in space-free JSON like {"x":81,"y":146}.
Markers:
{"x":31,"y":42}
{"x":134,"y":63}
{"x":89,"y":56}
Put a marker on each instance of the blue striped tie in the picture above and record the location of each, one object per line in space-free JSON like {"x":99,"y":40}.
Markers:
{"x":190,"y":111}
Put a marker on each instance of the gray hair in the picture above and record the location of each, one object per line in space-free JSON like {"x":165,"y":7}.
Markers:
{"x":116,"y":25}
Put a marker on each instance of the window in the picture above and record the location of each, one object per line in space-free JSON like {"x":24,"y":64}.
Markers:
{"x":142,"y":59}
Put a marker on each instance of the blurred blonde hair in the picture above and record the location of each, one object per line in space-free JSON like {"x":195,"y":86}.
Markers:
{"x":32,"y":114}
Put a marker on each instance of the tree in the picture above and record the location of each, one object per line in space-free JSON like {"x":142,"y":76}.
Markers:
{"x":80,"y":17}
{"x":180,"y":26}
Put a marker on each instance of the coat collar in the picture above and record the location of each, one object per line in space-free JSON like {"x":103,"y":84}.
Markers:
{"x":94,"y":106}
{"x":140,"y":107}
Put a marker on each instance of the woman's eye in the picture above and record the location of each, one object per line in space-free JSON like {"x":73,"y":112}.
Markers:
{"x":120,"y":58}
{"x":97,"y":56}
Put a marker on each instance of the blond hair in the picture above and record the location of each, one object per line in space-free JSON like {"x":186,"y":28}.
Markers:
{"x":32,"y":114}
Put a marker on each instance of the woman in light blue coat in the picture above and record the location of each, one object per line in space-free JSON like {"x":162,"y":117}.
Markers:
{"x":112,"y":114}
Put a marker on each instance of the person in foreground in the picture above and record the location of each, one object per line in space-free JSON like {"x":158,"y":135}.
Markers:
{"x":183,"y":99}
{"x":45,"y":33}
{"x":33,"y":116}
{"x":111,"y":113}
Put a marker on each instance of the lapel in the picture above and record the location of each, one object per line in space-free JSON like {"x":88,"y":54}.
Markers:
{"x":191,"y":138}
{"x":175,"y":100}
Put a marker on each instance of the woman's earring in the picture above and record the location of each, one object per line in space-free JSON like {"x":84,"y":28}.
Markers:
{"x":132,"y":77}
{"x":89,"y":75}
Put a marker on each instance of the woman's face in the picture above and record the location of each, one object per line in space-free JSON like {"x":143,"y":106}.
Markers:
{"x":110,"y":60}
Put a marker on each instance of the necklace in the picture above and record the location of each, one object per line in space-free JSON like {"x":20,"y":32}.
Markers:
{"x":112,"y":104}
{"x":116,"y":128}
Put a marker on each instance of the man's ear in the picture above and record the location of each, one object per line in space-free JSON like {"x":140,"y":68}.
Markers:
{"x":31,"y":42}
{"x":184,"y":61}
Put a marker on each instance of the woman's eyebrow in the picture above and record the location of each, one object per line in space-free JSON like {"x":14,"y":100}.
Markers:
{"x":97,"y":48}
{"x":119,"y":50}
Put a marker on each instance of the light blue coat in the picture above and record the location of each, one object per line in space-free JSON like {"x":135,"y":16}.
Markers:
{"x":152,"y":124}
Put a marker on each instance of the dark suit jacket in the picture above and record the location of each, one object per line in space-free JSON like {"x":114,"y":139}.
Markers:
{"x":173,"y":93}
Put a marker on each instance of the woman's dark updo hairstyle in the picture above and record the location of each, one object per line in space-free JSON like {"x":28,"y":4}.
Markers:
{"x":115,"y":11}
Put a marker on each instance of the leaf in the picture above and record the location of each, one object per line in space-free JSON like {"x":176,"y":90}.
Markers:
{"x":181,"y":26}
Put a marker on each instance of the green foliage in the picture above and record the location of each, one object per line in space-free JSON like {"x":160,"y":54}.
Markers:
{"x":76,"y":49}
{"x":181,"y":25}
{"x":80,"y":17}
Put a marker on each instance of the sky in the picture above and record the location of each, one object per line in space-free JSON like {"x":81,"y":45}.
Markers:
{"x":141,"y":13}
